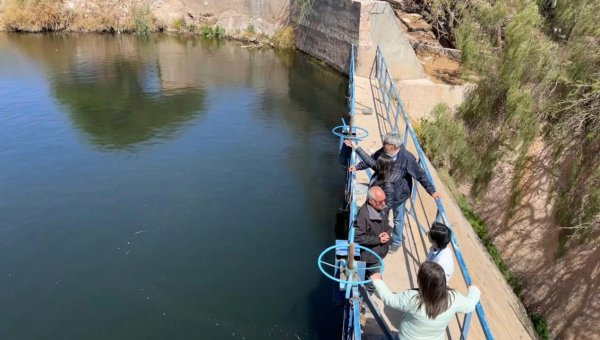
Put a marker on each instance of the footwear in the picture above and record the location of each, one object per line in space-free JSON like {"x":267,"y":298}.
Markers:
{"x":393,"y":248}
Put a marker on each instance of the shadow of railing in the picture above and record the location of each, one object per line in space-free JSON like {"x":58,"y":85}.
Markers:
{"x":420,"y":216}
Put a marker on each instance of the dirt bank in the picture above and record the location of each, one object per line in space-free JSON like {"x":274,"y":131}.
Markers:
{"x":560,"y":282}
{"x":565,"y":288}
{"x":235,"y":17}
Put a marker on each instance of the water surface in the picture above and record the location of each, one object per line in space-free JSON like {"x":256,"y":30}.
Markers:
{"x":165,"y":188}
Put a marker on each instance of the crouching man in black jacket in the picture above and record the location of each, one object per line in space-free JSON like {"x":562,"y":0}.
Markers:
{"x":372,"y":231}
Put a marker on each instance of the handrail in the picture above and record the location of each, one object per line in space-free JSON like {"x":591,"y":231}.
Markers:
{"x":351,"y":93}
{"x":351,"y":180}
{"x":388,"y":88}
{"x":351,"y":190}
{"x":354,"y":329}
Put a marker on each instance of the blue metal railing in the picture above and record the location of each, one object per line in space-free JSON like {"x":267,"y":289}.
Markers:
{"x":353,"y":328}
{"x":395,"y":107}
{"x":354,"y":294}
{"x":351,"y":88}
{"x":351,"y":176}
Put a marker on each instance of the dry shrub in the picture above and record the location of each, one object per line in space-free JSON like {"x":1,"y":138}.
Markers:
{"x":34,"y":15}
{"x":96,"y":16}
{"x":284,"y":38}
{"x":96,"y":20}
{"x":140,"y":21}
{"x":107,"y":16}
{"x":180,"y":25}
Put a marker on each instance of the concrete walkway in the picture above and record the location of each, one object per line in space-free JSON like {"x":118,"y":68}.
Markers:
{"x":506,"y":315}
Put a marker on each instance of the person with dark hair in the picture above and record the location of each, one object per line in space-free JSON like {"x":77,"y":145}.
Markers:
{"x":439,"y":236}
{"x":406,"y":168}
{"x":429,"y":309}
{"x":384,"y":176}
{"x":384,"y":172}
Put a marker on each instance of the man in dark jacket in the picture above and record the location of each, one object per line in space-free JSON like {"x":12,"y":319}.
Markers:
{"x":406,"y":166}
{"x":371,"y":229}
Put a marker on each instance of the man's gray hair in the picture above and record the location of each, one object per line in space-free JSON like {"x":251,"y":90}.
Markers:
{"x":393,"y":139}
{"x":372,"y":191}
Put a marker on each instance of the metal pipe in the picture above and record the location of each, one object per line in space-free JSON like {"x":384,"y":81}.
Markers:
{"x":351,"y":256}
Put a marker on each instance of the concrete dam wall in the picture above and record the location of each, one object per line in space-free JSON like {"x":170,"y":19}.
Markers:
{"x":328,"y":30}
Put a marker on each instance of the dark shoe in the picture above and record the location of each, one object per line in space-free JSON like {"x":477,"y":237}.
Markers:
{"x":393,"y":248}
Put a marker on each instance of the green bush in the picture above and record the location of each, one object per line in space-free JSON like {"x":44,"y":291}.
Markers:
{"x":219,"y":32}
{"x":446,"y":141}
{"x":540,"y":325}
{"x":535,"y":65}
{"x":143,"y":21}
{"x":212,"y":32}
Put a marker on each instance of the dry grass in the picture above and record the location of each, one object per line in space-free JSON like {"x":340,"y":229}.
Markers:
{"x":34,"y":15}
{"x":52,"y":15}
{"x":106,"y":17}
{"x":284,"y":38}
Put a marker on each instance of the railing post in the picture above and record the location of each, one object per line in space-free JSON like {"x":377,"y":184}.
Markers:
{"x":385,"y":79}
{"x":356,"y":314}
{"x":391,"y":99}
{"x":466,"y":325}
{"x":377,"y":65}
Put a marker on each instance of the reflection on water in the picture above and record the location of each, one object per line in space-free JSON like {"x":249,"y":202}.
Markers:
{"x":121,"y":108}
{"x":117,"y":94}
{"x":207,"y":226}
{"x":310,"y":88}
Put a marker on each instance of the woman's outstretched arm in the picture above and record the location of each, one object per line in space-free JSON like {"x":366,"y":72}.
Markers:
{"x":399,"y":301}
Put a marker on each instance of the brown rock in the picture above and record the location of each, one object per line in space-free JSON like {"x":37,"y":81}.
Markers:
{"x":414,"y":22}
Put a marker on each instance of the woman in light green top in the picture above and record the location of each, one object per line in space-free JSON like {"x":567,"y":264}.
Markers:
{"x":428,"y":310}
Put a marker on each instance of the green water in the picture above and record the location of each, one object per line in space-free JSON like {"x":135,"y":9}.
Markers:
{"x":165,"y":188}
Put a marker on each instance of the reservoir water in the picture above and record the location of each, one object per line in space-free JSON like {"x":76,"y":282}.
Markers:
{"x":165,"y":188}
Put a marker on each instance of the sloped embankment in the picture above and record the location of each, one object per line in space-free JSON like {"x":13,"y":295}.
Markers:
{"x":525,"y":146}
{"x":236,"y":17}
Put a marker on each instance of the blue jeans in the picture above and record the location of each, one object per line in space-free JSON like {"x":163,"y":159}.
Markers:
{"x":399,"y":212}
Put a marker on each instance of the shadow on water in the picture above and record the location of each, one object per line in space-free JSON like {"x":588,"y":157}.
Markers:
{"x":303,"y":76}
{"x":325,"y":312}
{"x":315,"y":109}
{"x":309,"y":102}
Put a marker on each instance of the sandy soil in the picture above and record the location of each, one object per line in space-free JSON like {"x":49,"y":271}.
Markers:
{"x":440,"y":68}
